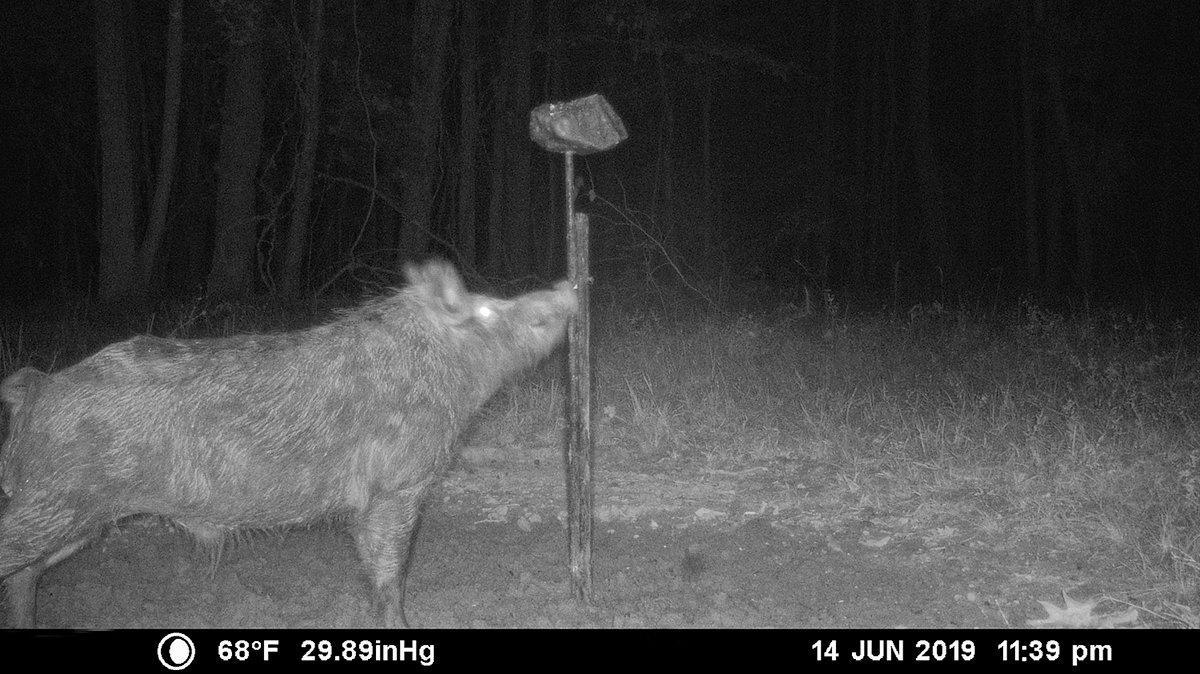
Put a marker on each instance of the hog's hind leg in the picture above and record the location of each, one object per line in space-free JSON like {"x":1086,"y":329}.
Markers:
{"x":35,"y":534}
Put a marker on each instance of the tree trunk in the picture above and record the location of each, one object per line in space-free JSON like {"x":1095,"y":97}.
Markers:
{"x":877,"y":101}
{"x":831,"y":88}
{"x":666,"y":136}
{"x":889,"y":96}
{"x":468,"y":129}
{"x":241,"y":146}
{"x":496,"y":166}
{"x":862,"y":162}
{"x":1033,"y":242}
{"x":932,"y":198}
{"x":186,"y":253}
{"x":706,"y":167}
{"x":431,"y":30}
{"x":1052,"y":188}
{"x":549,"y":237}
{"x":140,"y":115}
{"x":293,"y":259}
{"x":509,"y":143}
{"x":172,"y":74}
{"x":1079,"y":183}
{"x":118,"y":197}
{"x":516,"y":187}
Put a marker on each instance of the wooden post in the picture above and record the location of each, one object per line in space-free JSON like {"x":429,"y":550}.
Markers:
{"x":581,"y":126}
{"x":580,"y":494}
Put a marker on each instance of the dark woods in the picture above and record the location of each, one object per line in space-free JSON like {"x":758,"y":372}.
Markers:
{"x":899,"y":151}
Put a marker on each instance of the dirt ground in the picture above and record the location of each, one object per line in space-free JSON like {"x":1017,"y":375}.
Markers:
{"x":781,"y":545}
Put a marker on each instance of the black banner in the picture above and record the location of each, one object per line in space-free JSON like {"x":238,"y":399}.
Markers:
{"x":418,"y":650}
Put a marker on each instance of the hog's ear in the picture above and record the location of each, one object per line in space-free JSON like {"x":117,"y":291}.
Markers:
{"x":21,"y":386}
{"x":441,"y":284}
{"x":439,"y":275}
{"x":414,"y":273}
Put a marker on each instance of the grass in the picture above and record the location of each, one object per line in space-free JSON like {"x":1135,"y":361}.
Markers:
{"x":1079,"y":428}
{"x":1075,"y":428}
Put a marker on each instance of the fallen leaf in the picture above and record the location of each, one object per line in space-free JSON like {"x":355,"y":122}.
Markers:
{"x":1077,"y":614}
